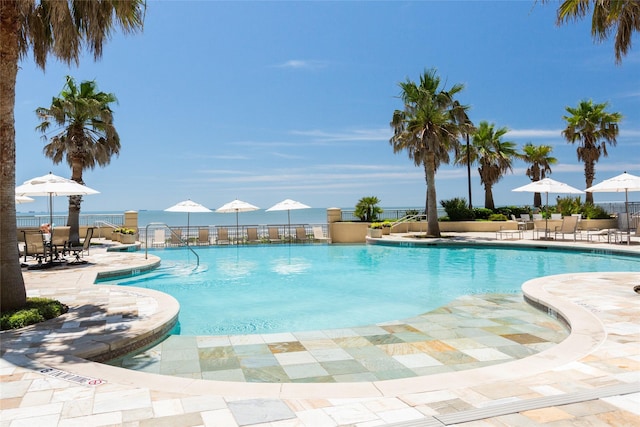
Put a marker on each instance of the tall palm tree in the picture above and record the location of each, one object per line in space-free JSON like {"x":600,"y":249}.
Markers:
{"x":621,"y":17}
{"x":58,"y":28}
{"x":540,"y":160}
{"x":88,"y":136}
{"x":593,"y":128}
{"x":428,"y":129}
{"x":494,"y":156}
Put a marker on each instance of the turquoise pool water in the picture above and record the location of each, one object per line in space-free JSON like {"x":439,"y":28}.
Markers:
{"x":278,"y":288}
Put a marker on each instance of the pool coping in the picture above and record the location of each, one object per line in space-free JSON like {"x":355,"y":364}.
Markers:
{"x":587,"y":334}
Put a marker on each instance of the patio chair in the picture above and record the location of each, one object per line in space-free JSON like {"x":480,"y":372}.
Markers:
{"x":59,"y":240}
{"x":623,"y":235}
{"x":252,"y":235}
{"x":79,"y":251}
{"x":159,"y":238}
{"x":34,"y":246}
{"x":274,"y":235}
{"x":318,"y":235}
{"x":223,"y":236}
{"x":569,"y":226}
{"x":596,"y":233}
{"x":301,"y":235}
{"x":509,"y":233}
{"x":522,"y":225}
{"x":537,"y":217}
{"x":556,"y":216}
{"x":203,"y":236}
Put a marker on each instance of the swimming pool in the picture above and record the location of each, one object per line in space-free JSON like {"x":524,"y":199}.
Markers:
{"x":278,"y":288}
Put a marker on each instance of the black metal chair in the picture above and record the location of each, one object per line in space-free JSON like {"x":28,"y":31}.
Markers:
{"x":78,"y":251}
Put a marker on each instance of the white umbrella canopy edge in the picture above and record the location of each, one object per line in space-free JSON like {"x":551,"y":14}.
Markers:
{"x":624,"y":182}
{"x":288,"y":205}
{"x":24,"y":199}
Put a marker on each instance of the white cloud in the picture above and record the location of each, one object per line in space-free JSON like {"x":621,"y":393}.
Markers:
{"x":302,"y":64}
{"x":535,"y":133}
{"x":380,"y":134}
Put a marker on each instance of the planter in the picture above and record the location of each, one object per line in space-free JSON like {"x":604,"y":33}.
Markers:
{"x":115,"y":236}
{"x":375,"y":233}
{"x":386,"y":231}
{"x":127,"y":239}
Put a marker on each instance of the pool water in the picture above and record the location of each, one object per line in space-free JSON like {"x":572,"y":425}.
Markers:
{"x":278,"y":288}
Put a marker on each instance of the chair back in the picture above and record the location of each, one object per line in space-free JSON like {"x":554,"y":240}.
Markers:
{"x":301,"y":233}
{"x":203,"y":236}
{"x":60,"y":235}
{"x":525,"y":217}
{"x":274,"y":234}
{"x":158,"y":237}
{"x":34,"y":243}
{"x":223,"y":235}
{"x":537,"y":217}
{"x":569,"y":224}
{"x":252,"y":234}
{"x":87,"y":239}
{"x":556,"y":216}
{"x":317,"y":233}
{"x":176,"y":236}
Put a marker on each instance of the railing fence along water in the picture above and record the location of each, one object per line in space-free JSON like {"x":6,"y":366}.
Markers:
{"x":87,"y":220}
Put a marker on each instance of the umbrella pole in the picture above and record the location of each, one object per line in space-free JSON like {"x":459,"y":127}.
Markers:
{"x":626,"y":208}
{"x":236,"y":226}
{"x":51,"y":227}
{"x":546,"y":219}
{"x":289,"y":221}
{"x":188,"y":228}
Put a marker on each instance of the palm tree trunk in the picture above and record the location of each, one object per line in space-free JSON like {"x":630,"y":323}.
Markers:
{"x":537,"y":200}
{"x":73,"y":219}
{"x":12,"y":290}
{"x":488,"y":197}
{"x":433,"y":228}
{"x":589,"y":175}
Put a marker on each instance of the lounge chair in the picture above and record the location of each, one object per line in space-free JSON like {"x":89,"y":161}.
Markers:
{"x":159,"y":238}
{"x":274,"y":235}
{"x":318,"y":235}
{"x":252,"y":235}
{"x":600,"y":234}
{"x":79,"y":251}
{"x":176,"y":236}
{"x":569,"y":226}
{"x":301,"y":235}
{"x":223,"y":236}
{"x":556,"y":216}
{"x":537,"y":217}
{"x":203,"y":236}
{"x":628,"y":236}
{"x":509,"y":233}
{"x":522,"y":225}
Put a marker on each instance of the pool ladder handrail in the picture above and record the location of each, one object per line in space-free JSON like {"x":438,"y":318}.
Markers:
{"x":173,"y":233}
{"x":408,"y":218}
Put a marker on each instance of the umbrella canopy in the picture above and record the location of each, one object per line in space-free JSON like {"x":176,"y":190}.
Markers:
{"x":548,"y":185}
{"x":23,"y":199}
{"x":623,"y":182}
{"x":237,"y":206}
{"x":288,"y":205}
{"x":188,"y":206}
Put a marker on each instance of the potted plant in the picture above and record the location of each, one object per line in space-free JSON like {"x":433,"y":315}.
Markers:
{"x":386,"y":227}
{"x":375,"y":230}
{"x":127,"y":236}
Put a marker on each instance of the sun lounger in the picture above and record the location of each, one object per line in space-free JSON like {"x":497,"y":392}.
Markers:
{"x":318,"y":235}
{"x":222,"y":237}
{"x":159,"y":238}
{"x":569,"y":226}
{"x":252,"y":235}
{"x":600,"y":234}
{"x":203,"y":236}
{"x":506,"y":233}
{"x":176,"y":237}
{"x":301,"y":235}
{"x":274,"y":235}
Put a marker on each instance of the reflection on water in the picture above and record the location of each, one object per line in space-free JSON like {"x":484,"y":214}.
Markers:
{"x":289,"y":266}
{"x":235,"y":269}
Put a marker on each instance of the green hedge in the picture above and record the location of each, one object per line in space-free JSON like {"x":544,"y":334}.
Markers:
{"x":36,"y":310}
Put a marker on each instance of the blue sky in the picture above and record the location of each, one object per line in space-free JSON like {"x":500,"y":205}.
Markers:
{"x":264,"y":101}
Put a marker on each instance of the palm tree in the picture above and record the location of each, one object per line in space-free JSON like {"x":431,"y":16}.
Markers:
{"x":594,"y":128}
{"x":428,"y":129}
{"x":540,"y":160}
{"x":494,"y":156}
{"x":88,"y":136}
{"x":609,"y":16}
{"x":57,"y":28}
{"x":367,"y":209}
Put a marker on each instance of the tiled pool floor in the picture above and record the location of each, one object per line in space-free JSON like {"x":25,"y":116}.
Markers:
{"x":470,"y":332}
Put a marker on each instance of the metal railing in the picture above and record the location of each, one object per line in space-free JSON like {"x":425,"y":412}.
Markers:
{"x":173,"y":233}
{"x":86,"y":220}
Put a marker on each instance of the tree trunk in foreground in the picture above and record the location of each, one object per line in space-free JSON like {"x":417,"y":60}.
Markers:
{"x":433,"y":228}
{"x":12,"y":290}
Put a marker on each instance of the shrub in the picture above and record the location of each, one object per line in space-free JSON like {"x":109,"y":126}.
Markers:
{"x":367,"y":209}
{"x":376,"y":225}
{"x":497,"y":217}
{"x":513,"y":210}
{"x":568,"y":205}
{"x":457,"y":209}
{"x":482,"y":213}
{"x":590,"y":211}
{"x":36,"y":310}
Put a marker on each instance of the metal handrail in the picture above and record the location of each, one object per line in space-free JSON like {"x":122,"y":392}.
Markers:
{"x":146,"y":240}
{"x":408,"y":218}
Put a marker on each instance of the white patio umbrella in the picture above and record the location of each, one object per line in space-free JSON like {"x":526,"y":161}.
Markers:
{"x":237,"y":206}
{"x":288,"y":205}
{"x":53,"y":185}
{"x":188,"y":206}
{"x":24,"y":199}
{"x":548,"y":185}
{"x":623,"y":182}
